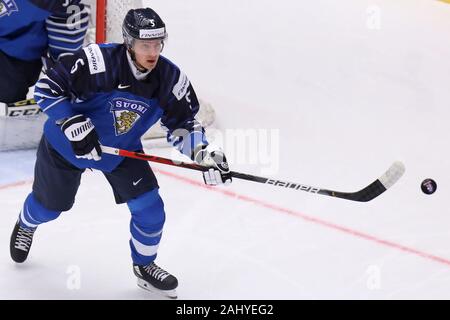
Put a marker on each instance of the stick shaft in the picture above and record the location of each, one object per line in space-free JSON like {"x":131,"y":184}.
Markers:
{"x":366,"y":194}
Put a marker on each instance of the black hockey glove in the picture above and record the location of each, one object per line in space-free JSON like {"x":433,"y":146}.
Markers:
{"x":216,"y":160}
{"x":82,"y":135}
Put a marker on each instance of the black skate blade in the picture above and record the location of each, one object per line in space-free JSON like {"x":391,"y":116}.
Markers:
{"x":172,"y":294}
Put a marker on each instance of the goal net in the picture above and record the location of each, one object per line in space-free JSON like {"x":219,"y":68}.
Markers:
{"x":23,"y":132}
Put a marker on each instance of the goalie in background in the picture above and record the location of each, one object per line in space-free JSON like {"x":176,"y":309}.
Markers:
{"x":111,"y":94}
{"x":31,"y":29}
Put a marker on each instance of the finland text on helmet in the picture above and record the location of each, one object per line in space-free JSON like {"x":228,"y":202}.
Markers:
{"x":143,"y":24}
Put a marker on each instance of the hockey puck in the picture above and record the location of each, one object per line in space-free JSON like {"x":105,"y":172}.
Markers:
{"x":428,"y":186}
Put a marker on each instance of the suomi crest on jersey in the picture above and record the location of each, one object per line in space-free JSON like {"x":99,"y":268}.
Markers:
{"x":126,"y":113}
{"x":7,"y":7}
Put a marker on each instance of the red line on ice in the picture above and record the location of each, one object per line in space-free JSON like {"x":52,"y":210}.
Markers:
{"x":305,"y":217}
{"x":297,"y":214}
{"x":15,"y":184}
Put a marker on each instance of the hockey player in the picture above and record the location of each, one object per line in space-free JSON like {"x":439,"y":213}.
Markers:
{"x":110,"y":95}
{"x":29,"y":29}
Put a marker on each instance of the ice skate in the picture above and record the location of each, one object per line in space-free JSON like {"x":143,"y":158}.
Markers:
{"x":21,"y":239}
{"x":155,"y":279}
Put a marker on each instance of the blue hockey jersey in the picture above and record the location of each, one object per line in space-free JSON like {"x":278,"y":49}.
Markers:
{"x":99,"y":83}
{"x":29,"y":27}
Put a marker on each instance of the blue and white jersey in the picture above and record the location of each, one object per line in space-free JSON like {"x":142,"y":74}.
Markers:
{"x":99,"y":82}
{"x":28,"y":28}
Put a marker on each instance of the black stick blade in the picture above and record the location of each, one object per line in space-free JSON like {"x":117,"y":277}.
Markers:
{"x":387,"y":180}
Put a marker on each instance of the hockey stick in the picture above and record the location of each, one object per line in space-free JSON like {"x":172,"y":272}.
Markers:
{"x":27,"y":107}
{"x":368,"y":193}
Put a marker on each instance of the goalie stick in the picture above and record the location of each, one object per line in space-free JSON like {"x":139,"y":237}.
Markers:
{"x":27,"y":107}
{"x":368,"y":193}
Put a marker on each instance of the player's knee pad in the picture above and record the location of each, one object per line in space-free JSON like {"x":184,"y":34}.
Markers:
{"x":147,"y":212}
{"x":34,"y":213}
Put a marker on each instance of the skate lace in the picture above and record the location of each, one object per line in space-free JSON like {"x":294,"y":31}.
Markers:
{"x":24,"y":238}
{"x":156,"y":272}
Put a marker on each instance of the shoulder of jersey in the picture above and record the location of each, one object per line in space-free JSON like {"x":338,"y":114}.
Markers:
{"x":179,"y":82}
{"x":98,"y":55}
{"x":168,"y":69}
{"x":166,"y":63}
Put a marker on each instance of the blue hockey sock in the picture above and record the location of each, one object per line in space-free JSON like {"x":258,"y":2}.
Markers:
{"x":147,"y":221}
{"x":34,"y":213}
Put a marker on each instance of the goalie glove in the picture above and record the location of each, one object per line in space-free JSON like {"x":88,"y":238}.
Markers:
{"x":219,"y":172}
{"x":82,"y":135}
